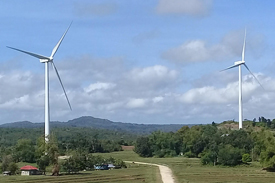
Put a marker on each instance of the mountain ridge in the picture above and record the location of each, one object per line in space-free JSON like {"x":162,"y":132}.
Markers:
{"x":92,"y":122}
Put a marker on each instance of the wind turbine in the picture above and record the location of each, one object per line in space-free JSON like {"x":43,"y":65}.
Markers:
{"x":239,"y":64}
{"x":47,"y":60}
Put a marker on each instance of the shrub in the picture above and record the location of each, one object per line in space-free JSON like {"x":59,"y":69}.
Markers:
{"x":246,"y":158}
{"x":209,"y":158}
{"x":189,"y":155}
{"x":13,"y":168}
{"x":229,"y":156}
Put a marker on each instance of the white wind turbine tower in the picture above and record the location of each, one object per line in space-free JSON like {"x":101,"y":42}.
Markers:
{"x":47,"y":60}
{"x":239,"y":64}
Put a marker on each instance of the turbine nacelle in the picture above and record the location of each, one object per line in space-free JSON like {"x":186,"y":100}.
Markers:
{"x":44,"y":60}
{"x":239,"y":62}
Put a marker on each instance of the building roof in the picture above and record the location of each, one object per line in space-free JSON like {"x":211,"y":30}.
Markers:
{"x":28,"y":167}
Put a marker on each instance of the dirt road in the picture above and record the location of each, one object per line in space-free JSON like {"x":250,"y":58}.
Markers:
{"x":165,"y":172}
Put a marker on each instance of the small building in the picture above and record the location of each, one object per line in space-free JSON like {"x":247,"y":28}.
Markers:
{"x":29,"y":170}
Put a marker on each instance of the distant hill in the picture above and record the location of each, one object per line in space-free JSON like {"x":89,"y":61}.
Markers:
{"x":97,"y":123}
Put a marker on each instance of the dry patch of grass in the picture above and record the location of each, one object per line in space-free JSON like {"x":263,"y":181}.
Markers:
{"x":128,"y":148}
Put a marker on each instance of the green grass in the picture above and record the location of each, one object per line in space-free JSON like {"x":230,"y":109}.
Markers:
{"x":134,"y":173}
{"x":190,"y":170}
{"x":184,"y":169}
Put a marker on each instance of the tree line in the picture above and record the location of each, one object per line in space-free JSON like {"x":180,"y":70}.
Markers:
{"x":78,"y":147}
{"x":212,"y":144}
{"x":10,"y":136}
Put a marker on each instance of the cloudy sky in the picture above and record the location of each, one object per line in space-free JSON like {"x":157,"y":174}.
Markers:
{"x":154,"y":62}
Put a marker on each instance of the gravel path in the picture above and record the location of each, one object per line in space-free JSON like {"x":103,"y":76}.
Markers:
{"x":165,"y":172}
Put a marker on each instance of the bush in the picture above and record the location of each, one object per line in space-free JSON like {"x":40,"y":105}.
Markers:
{"x":267,"y":157}
{"x":189,"y":155}
{"x":246,"y":158}
{"x":13,"y":168}
{"x":209,"y":158}
{"x":120,"y":163}
{"x":229,"y":156}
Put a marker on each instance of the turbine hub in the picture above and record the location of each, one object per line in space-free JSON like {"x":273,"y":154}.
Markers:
{"x":239,"y":62}
{"x":44,"y":60}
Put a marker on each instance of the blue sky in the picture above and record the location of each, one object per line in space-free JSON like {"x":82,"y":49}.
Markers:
{"x":138,"y":61}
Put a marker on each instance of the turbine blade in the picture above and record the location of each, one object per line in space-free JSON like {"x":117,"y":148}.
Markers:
{"x":253,"y":76}
{"x":29,"y":53}
{"x":230,"y":67}
{"x":61,"y":84}
{"x":59,"y":42}
{"x":244,"y":45}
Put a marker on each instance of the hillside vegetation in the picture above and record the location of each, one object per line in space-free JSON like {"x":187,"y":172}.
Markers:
{"x":97,"y":123}
{"x":214,"y":144}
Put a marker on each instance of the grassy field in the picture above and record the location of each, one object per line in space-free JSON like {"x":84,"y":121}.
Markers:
{"x":185,"y":171}
{"x":133,"y":174}
{"x":189,"y":170}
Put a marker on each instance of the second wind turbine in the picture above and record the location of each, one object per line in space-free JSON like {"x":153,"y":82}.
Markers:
{"x":46,"y":61}
{"x":239,"y":64}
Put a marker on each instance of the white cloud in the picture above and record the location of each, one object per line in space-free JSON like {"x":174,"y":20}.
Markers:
{"x":200,"y":50}
{"x":154,"y":77}
{"x":195,"y":51}
{"x":99,"y":86}
{"x":136,"y":103}
{"x":16,"y":84}
{"x":157,"y":99}
{"x":223,"y":95}
{"x":157,"y":71}
{"x":185,"y":7}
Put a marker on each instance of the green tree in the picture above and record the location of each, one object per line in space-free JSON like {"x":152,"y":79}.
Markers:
{"x":90,"y":161}
{"x":239,"y":139}
{"x":268,"y":123}
{"x":46,"y":153}
{"x":191,"y":139}
{"x":209,"y":158}
{"x":40,"y":149}
{"x":75,"y":163}
{"x":43,"y":162}
{"x":229,"y":156}
{"x":52,"y":149}
{"x":268,"y":157}
{"x":165,"y":144}
{"x":13,"y":168}
{"x":266,"y":144}
{"x":24,"y":151}
{"x":143,"y":147}
{"x":7,"y":159}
